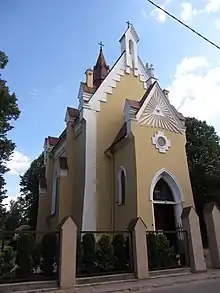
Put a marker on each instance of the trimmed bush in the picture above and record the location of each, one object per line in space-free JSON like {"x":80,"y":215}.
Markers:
{"x":25,"y":243}
{"x":88,"y":252}
{"x":120,"y":253}
{"x":105,"y":253}
{"x":160,"y":252}
{"x":49,"y":250}
{"x":7,"y":263}
{"x":36,"y":255}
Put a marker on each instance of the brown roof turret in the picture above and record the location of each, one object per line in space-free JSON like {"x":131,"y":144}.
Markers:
{"x":101,"y":69}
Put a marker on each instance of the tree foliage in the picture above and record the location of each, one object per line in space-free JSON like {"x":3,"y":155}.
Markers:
{"x":14,"y":216}
{"x":9,"y":112}
{"x":203,"y":153}
{"x":29,"y":184}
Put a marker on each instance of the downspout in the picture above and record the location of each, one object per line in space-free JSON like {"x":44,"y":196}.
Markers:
{"x":112,"y":184}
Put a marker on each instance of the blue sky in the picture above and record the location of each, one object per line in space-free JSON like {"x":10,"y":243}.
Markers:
{"x":51,"y":43}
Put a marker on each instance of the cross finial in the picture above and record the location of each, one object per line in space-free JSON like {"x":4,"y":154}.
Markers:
{"x":128,"y":23}
{"x":101,"y":45}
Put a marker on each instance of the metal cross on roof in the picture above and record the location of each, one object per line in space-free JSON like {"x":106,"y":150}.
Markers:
{"x":101,"y":45}
{"x":128,"y":23}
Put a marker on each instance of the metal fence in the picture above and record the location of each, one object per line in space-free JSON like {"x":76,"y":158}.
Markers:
{"x":167,"y":250}
{"x":104,"y":253}
{"x":29,"y":256}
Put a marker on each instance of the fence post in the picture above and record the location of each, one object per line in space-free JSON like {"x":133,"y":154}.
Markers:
{"x":191,"y":225}
{"x":139,"y":241}
{"x":212,"y":220}
{"x":68,"y":242}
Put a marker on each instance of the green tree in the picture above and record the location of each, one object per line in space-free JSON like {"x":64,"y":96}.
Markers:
{"x":203,"y":154}
{"x":29,"y":184}
{"x":9,"y":112}
{"x":13,"y":217}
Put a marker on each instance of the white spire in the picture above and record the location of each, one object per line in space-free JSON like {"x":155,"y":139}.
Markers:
{"x":129,"y":44}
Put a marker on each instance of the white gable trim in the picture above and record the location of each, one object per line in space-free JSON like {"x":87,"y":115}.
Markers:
{"x":142,"y":109}
{"x":110,"y":82}
{"x":107,"y":85}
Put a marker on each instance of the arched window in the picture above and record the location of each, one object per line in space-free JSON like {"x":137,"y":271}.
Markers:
{"x":131,"y":47}
{"x":121,"y":186}
{"x":162,"y":191}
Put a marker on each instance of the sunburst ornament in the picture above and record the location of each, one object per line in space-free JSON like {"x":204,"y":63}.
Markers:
{"x":158,"y":114}
{"x":161,"y":142}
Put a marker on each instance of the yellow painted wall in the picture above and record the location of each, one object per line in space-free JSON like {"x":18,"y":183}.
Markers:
{"x":43,"y":217}
{"x":109,"y":121}
{"x":42,"y":212}
{"x":123,"y":214}
{"x":149,"y":161}
{"x":79,"y":175}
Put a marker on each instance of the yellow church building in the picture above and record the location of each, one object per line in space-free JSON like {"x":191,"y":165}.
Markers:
{"x":122,"y":154}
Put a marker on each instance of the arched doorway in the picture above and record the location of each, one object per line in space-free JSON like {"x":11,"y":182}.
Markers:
{"x":163,"y":207}
{"x":166,"y":198}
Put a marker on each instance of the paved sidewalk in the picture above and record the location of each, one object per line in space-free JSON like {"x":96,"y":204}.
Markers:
{"x":142,"y":285}
{"x":151,"y":284}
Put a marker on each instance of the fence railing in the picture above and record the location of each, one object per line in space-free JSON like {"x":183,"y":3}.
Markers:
{"x":29,"y":256}
{"x":167,"y":249}
{"x":104,"y":253}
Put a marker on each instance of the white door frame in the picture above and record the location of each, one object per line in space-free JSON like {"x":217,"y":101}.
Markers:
{"x":168,"y":177}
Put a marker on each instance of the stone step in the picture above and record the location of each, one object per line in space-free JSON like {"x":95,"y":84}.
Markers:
{"x":169,"y":273}
{"x":88,"y":281}
{"x":39,"y":286}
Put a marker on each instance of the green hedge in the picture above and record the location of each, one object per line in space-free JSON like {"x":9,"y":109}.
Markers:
{"x":102,"y":254}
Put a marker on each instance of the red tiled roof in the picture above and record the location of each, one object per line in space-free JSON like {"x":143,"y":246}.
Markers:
{"x":63,"y":163}
{"x":121,"y":135}
{"x":61,"y":139}
{"x":134,"y":104}
{"x":73,"y":112}
{"x":88,"y":89}
{"x":52,"y":140}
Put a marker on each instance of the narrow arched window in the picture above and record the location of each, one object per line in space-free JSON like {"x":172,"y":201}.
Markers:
{"x":121,"y":186}
{"x":131,"y":47}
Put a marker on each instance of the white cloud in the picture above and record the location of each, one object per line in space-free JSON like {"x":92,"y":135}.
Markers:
{"x":217,"y":24}
{"x":18,"y":163}
{"x":161,"y":16}
{"x":187,"y":11}
{"x":191,"y":64}
{"x":195,"y":89}
{"x":212,"y":6}
{"x":157,"y":13}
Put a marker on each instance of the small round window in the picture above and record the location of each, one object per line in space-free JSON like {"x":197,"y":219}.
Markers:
{"x":161,"y":141}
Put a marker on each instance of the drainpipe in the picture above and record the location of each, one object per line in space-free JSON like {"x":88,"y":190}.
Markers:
{"x":112,"y":184}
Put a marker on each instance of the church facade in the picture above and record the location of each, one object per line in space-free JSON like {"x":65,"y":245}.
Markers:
{"x":122,"y":154}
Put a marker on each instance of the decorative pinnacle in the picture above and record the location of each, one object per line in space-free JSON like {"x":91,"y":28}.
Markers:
{"x":128,"y":23}
{"x":101,"y":45}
